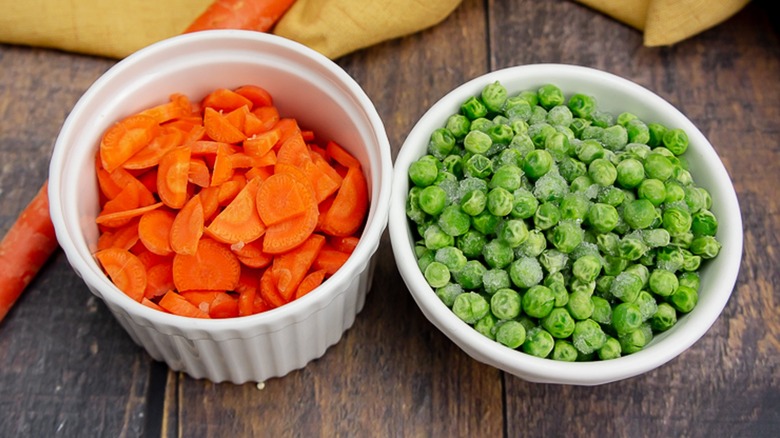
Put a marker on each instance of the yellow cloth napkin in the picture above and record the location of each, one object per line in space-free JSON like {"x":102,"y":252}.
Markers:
{"x":666,"y":22}
{"x":117,"y":28}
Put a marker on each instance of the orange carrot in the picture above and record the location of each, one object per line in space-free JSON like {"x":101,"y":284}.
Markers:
{"x":125,"y":271}
{"x":151,"y":304}
{"x":258,"y":145}
{"x":239,"y":221}
{"x":126,"y":137}
{"x":119,"y":218}
{"x":224,"y":305}
{"x":223,"y":99}
{"x":187,"y":227}
{"x":268,"y":290}
{"x":259,"y":15}
{"x":154,"y":230}
{"x":350,"y":206}
{"x":345,"y":244}
{"x":330,"y":260}
{"x":159,"y":280}
{"x":212,"y":267}
{"x":172,"y":177}
{"x":283,"y":196}
{"x":219,"y":128}
{"x":251,"y":254}
{"x":178,"y":305}
{"x":310,"y":282}
{"x":340,"y":155}
{"x":25,"y":248}
{"x":289,"y":268}
{"x":259,"y":96}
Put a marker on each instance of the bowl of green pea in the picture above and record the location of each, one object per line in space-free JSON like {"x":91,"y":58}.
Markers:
{"x":564,"y":224}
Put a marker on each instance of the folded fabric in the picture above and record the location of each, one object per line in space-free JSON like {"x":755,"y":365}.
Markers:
{"x":666,"y":22}
{"x":333,"y":27}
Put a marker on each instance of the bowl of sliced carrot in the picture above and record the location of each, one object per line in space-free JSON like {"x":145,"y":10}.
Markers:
{"x":224,"y":193}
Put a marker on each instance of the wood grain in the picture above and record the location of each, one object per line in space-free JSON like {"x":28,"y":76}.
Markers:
{"x":68,"y":369}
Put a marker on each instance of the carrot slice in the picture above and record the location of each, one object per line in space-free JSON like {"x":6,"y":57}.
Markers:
{"x":125,"y":180}
{"x":124,"y":138}
{"x":124,"y":237}
{"x":340,"y":155}
{"x":345,"y":244}
{"x":246,"y":302}
{"x":125,"y":271}
{"x":219,"y":128}
{"x":282,"y":196}
{"x":294,"y":150}
{"x":330,"y":260}
{"x":150,"y":154}
{"x":287,"y":128}
{"x":239,"y":220}
{"x":209,"y":198}
{"x":154,"y":230}
{"x":187,"y":227}
{"x":310,"y":282}
{"x":320,"y":179}
{"x":251,"y":254}
{"x":151,"y":304}
{"x":178,"y":305}
{"x":159,"y":280}
{"x":198,"y":173}
{"x":168,"y":111}
{"x":268,"y":116}
{"x":290,"y":268}
{"x":223,"y":306}
{"x":268,"y":290}
{"x":258,"y":145}
{"x":228,"y":190}
{"x":225,"y":100}
{"x":121,"y":218}
{"x":172,"y":177}
{"x":259,"y":96}
{"x":350,"y":206}
{"x":212,"y":267}
{"x":223,"y":168}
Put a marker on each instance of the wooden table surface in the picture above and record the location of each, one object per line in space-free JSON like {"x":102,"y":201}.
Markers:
{"x":68,"y":369}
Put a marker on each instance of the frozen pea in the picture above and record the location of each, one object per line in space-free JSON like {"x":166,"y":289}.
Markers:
{"x":501,"y":135}
{"x":586,"y":287}
{"x":536,"y":163}
{"x":494,"y":95}
{"x":581,"y":105}
{"x":497,"y":254}
{"x":589,"y":150}
{"x":691,"y":262}
{"x":494,"y":280}
{"x":656,"y":237}
{"x":571,"y":168}
{"x":689,"y":279}
{"x":610,"y":350}
{"x":470,"y":276}
{"x":560,"y":115}
{"x":473,"y":202}
{"x":614,"y":264}
{"x":664,"y":318}
{"x":658,"y":166}
{"x":632,"y":247}
{"x":588,"y":336}
{"x":487,"y":326}
{"x":630,"y":173}
{"x":602,"y":310}
{"x":538,"y":342}
{"x":413,"y":210}
{"x":704,"y":223}
{"x":637,"y":150}
{"x":574,"y":206}
{"x":538,"y":301}
{"x":557,"y":143}
{"x":676,"y":140}
{"x":448,"y":293}
{"x":653,"y":190}
{"x":454,"y":221}
{"x":615,"y":137}
{"x":550,"y":96}
{"x":547,"y":216}
{"x":676,"y":220}
{"x":611,"y":196}
{"x":647,"y":304}
{"x":587,"y":268}
{"x":635,"y":340}
{"x":525,"y":272}
{"x":567,"y":236}
{"x":638,"y":131}
{"x":603,"y":217}
{"x":639,"y":213}
{"x":669,"y":258}
{"x":684,"y":299}
{"x":705,"y":246}
{"x":663,"y":282}
{"x":558,"y":323}
{"x":564,"y":351}
{"x":510,"y":333}
{"x":470,"y":307}
{"x":602,"y":172}
{"x":657,"y":132}
{"x":423,"y":172}
{"x":436,"y":238}
{"x":458,"y":125}
{"x":477,"y":166}
{"x":604,"y":285}
{"x":550,"y":187}
{"x":517,"y":108}
{"x":452,"y":257}
{"x":626,"y":287}
{"x":553,"y":260}
{"x":441,"y":143}
{"x":473,"y":108}
{"x":584,"y":184}
{"x":505,"y":304}
{"x":539,"y":132}
{"x":437,"y":274}
{"x":500,"y":201}
{"x":509,"y":177}
{"x":513,"y":232}
{"x":432,"y":200}
{"x":486,"y":223}
{"x":453,"y":164}
{"x":525,"y":204}
{"x":425,"y":258}
{"x":471,"y":243}
{"x":580,"y":306}
{"x":626,"y":317}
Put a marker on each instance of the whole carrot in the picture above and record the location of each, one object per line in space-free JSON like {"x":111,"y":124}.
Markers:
{"x":24,"y":249}
{"x":259,"y":15}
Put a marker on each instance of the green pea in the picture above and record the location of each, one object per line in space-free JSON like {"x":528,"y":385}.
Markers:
{"x":474,"y":108}
{"x":432,"y":200}
{"x":639,"y":213}
{"x":537,"y":163}
{"x":647,"y":304}
{"x":477,"y":142}
{"x":587,"y":268}
{"x":560,"y":115}
{"x":473,"y":202}
{"x":470,"y":276}
{"x":626,"y":287}
{"x":635,"y":340}
{"x":511,"y":333}
{"x":423,"y":172}
{"x":441,"y":143}
{"x":564,"y":351}
{"x":653,"y":190}
{"x":658,"y":166}
{"x":566,"y":236}
{"x":558,"y":323}
{"x":610,"y":350}
{"x":538,"y":342}
{"x":478,"y":166}
{"x":581,"y":105}
{"x":656,"y":237}
{"x":665,"y":317}
{"x":602,"y":172}
{"x":481,"y":124}
{"x":494,"y":280}
{"x":454,"y":221}
{"x":500,"y":201}
{"x":547,"y":216}
{"x":638,"y":132}
{"x":603,"y":217}
{"x":486,"y":326}
{"x":525,"y":204}
{"x":553,"y":260}
{"x":538,"y":301}
{"x":615,"y":138}
{"x":588,"y":336}
{"x":525,"y":272}
{"x":657,"y":132}
{"x":689,"y":279}
{"x":579,"y":305}
{"x":452,"y":257}
{"x":458,"y":125}
{"x":574,"y":206}
{"x":505,"y":304}
{"x":494,"y":95}
{"x":436,"y":238}
{"x":497,"y":254}
{"x":471,"y":243}
{"x":704,"y":223}
{"x":470,"y":307}
{"x":626,"y":317}
{"x":676,"y":140}
{"x":448,"y":293}
{"x":437,"y":274}
{"x":513,"y":232}
{"x":486,"y":223}
{"x":611,"y":195}
{"x":517,"y":108}
{"x":509,"y":177}
{"x":676,"y":220}
{"x":705,"y":246}
{"x":602,"y":310}
{"x":570,"y":168}
{"x":663,"y":282}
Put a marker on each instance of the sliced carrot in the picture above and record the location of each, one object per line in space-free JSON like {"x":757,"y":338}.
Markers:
{"x":172,"y":177}
{"x":282,"y":196}
{"x":293,"y":150}
{"x":242,"y":161}
{"x":350,"y":206}
{"x":124,"y":138}
{"x":225,"y":100}
{"x":228,"y":190}
{"x":246,"y":302}
{"x":340,"y":155}
{"x":124,"y":237}
{"x":237,"y":117}
{"x":178,"y":305}
{"x":259,"y":96}
{"x":187,"y":227}
{"x":251,"y":254}
{"x":151,"y":304}
{"x":150,"y":259}
{"x":320,"y":179}
{"x":263,"y":172}
{"x":25,"y":248}
{"x":310,"y":282}
{"x":287,"y":128}
{"x":269,"y":117}
{"x":308,"y":135}
{"x":223,"y":169}
{"x":260,"y":305}
{"x":218,"y":128}
{"x":253,"y":125}
{"x":239,"y":221}
{"x":125,"y":180}
{"x":121,"y":218}
{"x":212,"y":267}
{"x":330,"y":260}
{"x":224,"y":305}
{"x":201,"y":298}
{"x":345,"y":244}
{"x":166,"y":112}
{"x":258,"y":145}
{"x":150,"y":155}
{"x":154,"y":230}
{"x":149,"y":180}
{"x":125,"y":271}
{"x":108,"y":187}
{"x":159,"y":280}
{"x":290,"y":233}
{"x":209,"y":198}
{"x":127,"y":199}
{"x":268,"y":290}
{"x":207,"y":147}
{"x":322,"y":164}
{"x":198,"y":173}
{"x":269,"y":159}
{"x":289,"y":268}
{"x":258,"y":15}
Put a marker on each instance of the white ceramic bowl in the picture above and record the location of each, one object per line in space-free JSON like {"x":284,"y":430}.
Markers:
{"x":305,"y":85}
{"x":613,"y":94}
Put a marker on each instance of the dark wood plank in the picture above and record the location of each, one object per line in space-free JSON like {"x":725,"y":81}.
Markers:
{"x":67,"y":367}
